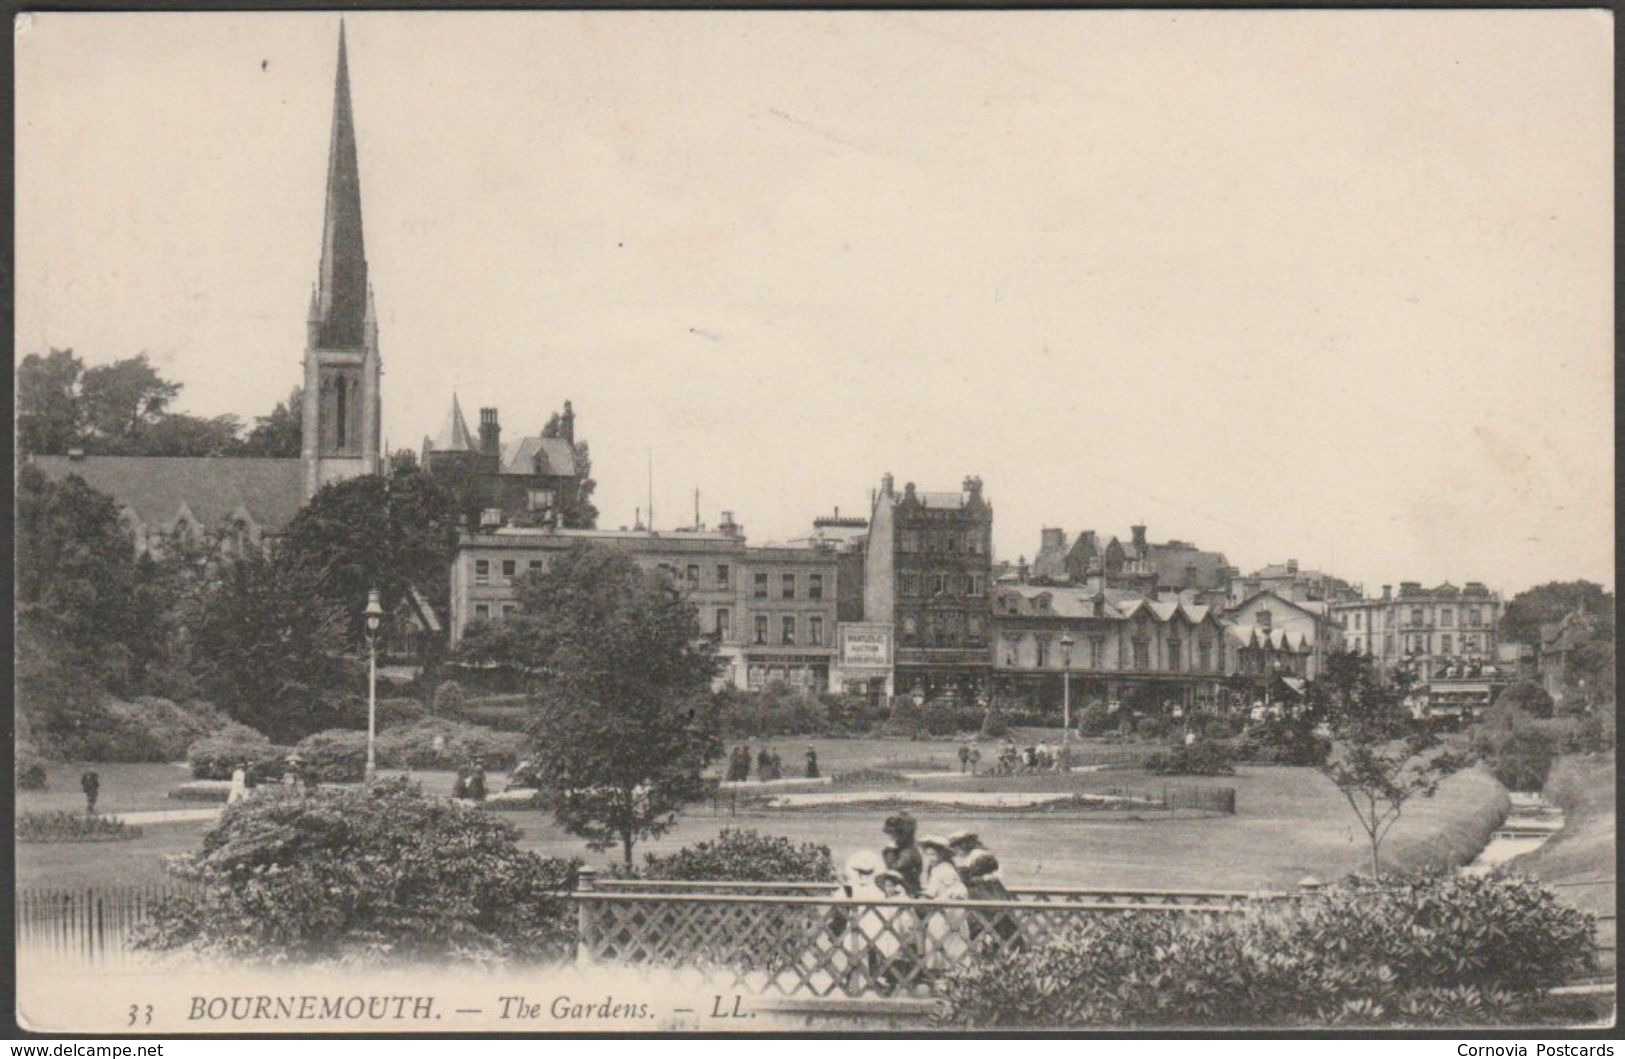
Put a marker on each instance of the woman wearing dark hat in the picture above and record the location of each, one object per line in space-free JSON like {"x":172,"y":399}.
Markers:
{"x":980,"y":869}
{"x":903,"y":856}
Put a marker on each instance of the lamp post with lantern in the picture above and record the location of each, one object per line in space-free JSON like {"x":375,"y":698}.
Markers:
{"x":1066,"y":686}
{"x":374,"y":615}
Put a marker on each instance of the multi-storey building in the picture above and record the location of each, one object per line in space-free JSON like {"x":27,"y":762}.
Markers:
{"x":1428,"y":631}
{"x":770,"y":611}
{"x":1270,"y":634}
{"x":1138,"y":565}
{"x":927,"y":569}
{"x":1123,"y":646}
{"x":530,"y":481}
{"x":1288,"y":581}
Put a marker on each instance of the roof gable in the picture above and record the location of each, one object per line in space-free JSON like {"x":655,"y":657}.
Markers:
{"x":213,"y":490}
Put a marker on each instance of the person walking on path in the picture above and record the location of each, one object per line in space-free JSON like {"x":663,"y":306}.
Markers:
{"x":903,"y":856}
{"x":764,"y":765}
{"x":812,"y":763}
{"x":239,"y":784}
{"x":91,"y":784}
{"x":964,"y":758}
{"x":476,"y":783}
{"x":975,"y":760}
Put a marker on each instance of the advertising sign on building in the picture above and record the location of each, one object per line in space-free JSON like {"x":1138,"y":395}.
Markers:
{"x":866,"y":645}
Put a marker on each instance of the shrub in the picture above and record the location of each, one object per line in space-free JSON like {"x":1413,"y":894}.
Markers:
{"x":414,"y":746}
{"x":501,"y":718}
{"x":1518,"y":749}
{"x":1201,"y":758}
{"x":449,"y":698}
{"x":1094,"y":720}
{"x":30,"y":775}
{"x":1441,"y":950}
{"x":214,"y":757}
{"x":379,"y":874}
{"x":938,"y":717}
{"x":337,"y":755}
{"x":995,"y":723}
{"x":1285,"y":741}
{"x":1525,"y":695}
{"x":1150,"y":727}
{"x":201,"y":791}
{"x":743,"y":856}
{"x":147,"y":729}
{"x":63,"y":826}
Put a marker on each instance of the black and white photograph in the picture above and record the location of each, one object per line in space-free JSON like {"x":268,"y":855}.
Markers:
{"x":839,"y":522}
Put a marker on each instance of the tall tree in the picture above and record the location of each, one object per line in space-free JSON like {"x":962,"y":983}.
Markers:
{"x":623,"y":731}
{"x":48,"y":415}
{"x":120,"y":399}
{"x":280,"y":434}
{"x":177,"y":434}
{"x":376,"y":532}
{"x":265,"y":645}
{"x":1534,"y":607}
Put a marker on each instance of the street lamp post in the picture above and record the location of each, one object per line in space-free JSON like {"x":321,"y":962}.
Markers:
{"x":1066,"y":686}
{"x":374,"y":614}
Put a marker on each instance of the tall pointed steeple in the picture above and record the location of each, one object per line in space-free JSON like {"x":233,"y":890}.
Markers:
{"x":342,"y":284}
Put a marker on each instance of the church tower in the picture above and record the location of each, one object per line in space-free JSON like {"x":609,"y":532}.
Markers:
{"x":342,"y":407}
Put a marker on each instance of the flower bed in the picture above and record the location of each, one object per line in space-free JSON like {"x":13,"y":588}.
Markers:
{"x":202,"y":791}
{"x":72,"y":827}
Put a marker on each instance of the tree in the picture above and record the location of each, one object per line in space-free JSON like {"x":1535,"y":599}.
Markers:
{"x":280,"y":434}
{"x":263,"y":644}
{"x":119,"y":400}
{"x":1380,"y":759}
{"x":388,"y":533}
{"x":1525,"y":695}
{"x":622,"y":734}
{"x":1534,"y":607}
{"x":48,"y":416}
{"x":189,"y":435}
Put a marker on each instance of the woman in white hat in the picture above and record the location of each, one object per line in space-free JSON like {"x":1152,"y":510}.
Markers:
{"x":947,"y":936}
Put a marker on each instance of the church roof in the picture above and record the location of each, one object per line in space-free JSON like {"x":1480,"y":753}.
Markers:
{"x":213,"y":488}
{"x":556,"y":457}
{"x":341,"y":293}
{"x":453,"y":435}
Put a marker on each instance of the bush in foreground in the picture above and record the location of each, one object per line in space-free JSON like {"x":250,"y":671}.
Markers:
{"x":1443,"y":949}
{"x":1201,"y":758}
{"x":337,"y":755}
{"x":378,"y":875}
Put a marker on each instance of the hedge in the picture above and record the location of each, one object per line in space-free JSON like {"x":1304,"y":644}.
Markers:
{"x":215,"y":757}
{"x":63,"y":826}
{"x":414,"y":746}
{"x":337,"y":755}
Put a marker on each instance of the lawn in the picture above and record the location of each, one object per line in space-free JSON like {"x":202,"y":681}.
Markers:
{"x":1584,"y":852}
{"x":1289,"y":823}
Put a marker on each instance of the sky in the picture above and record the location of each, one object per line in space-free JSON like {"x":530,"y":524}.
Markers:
{"x":1332,"y":286}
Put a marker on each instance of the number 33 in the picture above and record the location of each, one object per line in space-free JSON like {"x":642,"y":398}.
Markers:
{"x":137,"y":1012}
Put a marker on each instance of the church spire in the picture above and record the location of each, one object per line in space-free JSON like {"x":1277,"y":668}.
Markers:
{"x":342,"y":284}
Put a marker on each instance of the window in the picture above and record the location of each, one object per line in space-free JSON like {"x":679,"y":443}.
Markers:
{"x":761,"y":628}
{"x":761,"y":586}
{"x":1173,"y":655}
{"x":815,"y":586}
{"x":911,"y":627}
{"x":692,"y":575}
{"x":1097,"y":652}
{"x":1264,"y":619}
{"x":973,"y":544}
{"x":1469,"y":644}
{"x":787,"y":584}
{"x":482,"y":611}
{"x":482,"y":571}
{"x":1010,"y":653}
{"x":724,"y":576}
{"x":1388,"y":644}
{"x":952,"y":541}
{"x":1416,"y":615}
{"x":539,"y":499}
{"x":1444,"y":644}
{"x":815,"y":631}
{"x":1043,"y":653}
{"x":911,"y":583}
{"x":1204,"y":655}
{"x":1474,"y":616}
{"x":1447,"y":617}
{"x":939,"y":584}
{"x":974,"y":585}
{"x":1142,"y":654}
{"x":909,"y":540}
{"x":510,"y":567}
{"x":536,"y":564}
{"x":787,"y":629}
{"x":722,"y":627}
{"x":508,"y":610}
{"x":974,"y":624}
{"x":1358,"y":617}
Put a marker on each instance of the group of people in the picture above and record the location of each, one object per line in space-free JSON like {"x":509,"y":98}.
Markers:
{"x":1039,"y":757}
{"x":470,"y":783}
{"x":769,"y":766}
{"x":892,"y":945}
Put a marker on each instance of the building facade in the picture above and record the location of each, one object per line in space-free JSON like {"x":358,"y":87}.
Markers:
{"x":1425,"y":630}
{"x":529,"y":481}
{"x":1123,"y":647}
{"x":770,"y":611}
{"x":928,"y":568}
{"x":1267,"y":633}
{"x":1289,"y":581}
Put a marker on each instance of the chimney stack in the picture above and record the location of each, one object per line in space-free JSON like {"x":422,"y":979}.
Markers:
{"x":567,"y":424}
{"x":886,"y":485}
{"x":490,"y":433}
{"x":1139,"y":538}
{"x":1387,"y":593}
{"x":1292,"y":566}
